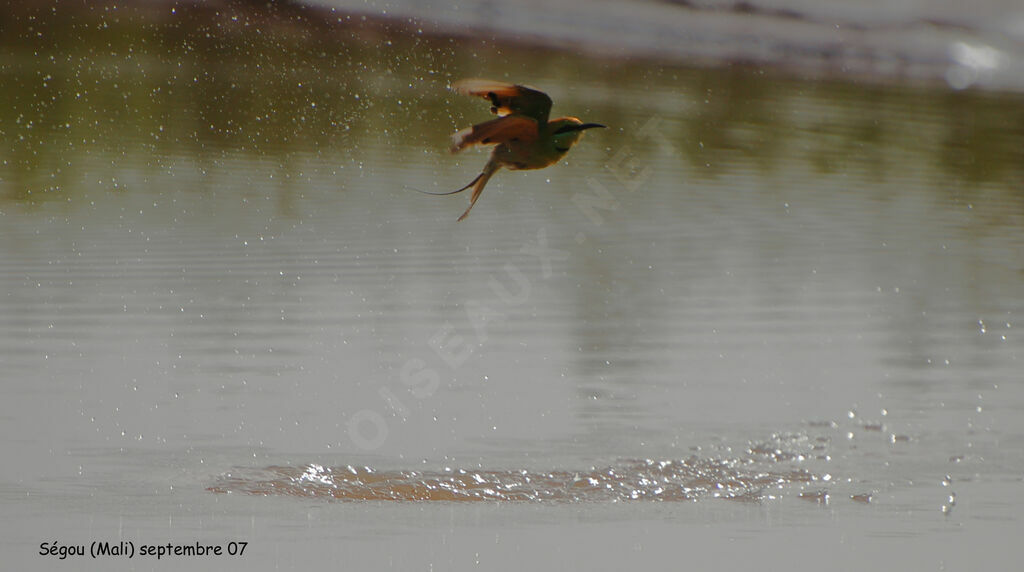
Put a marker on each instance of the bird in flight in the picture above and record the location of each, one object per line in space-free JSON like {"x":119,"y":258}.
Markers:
{"x":523,"y":136}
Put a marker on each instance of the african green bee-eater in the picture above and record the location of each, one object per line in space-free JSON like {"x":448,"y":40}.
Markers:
{"x":523,"y":136}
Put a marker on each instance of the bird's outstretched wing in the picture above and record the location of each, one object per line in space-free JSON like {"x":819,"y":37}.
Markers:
{"x":507,"y":98}
{"x":501,"y":130}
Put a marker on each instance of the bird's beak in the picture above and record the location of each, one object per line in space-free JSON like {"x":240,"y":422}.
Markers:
{"x":590,"y":125}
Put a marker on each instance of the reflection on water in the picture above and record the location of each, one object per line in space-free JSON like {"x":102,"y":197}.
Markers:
{"x":107,"y":99}
{"x":206,"y":243}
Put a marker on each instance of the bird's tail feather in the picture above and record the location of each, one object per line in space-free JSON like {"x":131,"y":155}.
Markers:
{"x":478,"y":185}
{"x":456,"y":191}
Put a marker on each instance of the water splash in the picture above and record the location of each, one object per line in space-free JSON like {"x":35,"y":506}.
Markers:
{"x":689,"y":479}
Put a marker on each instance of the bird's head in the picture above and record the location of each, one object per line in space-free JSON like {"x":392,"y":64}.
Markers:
{"x":566,"y":131}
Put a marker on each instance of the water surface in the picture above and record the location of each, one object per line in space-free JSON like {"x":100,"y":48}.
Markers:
{"x":225,"y":311}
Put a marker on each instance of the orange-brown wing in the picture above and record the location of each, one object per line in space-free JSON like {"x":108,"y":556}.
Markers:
{"x":507,"y":98}
{"x":500,"y":130}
